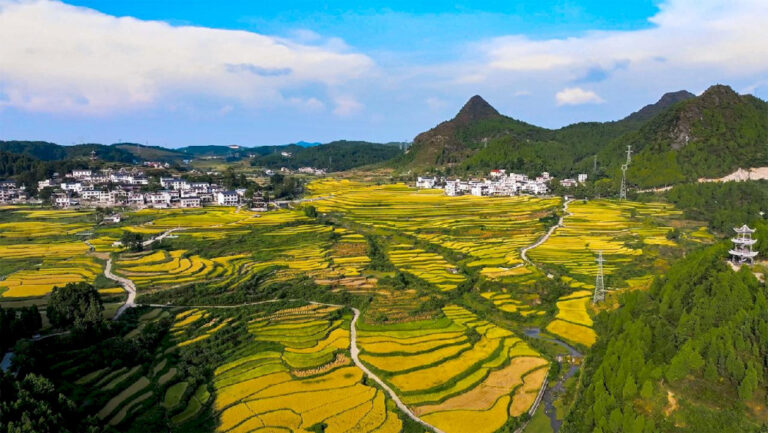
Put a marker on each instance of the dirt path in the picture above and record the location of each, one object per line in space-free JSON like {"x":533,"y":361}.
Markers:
{"x":524,"y":251}
{"x":355,"y":351}
{"x":127,"y":284}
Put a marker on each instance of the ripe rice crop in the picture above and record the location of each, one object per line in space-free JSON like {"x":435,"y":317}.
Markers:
{"x":489,"y":230}
{"x":52,"y":272}
{"x":602,"y":225}
{"x":254,"y":390}
{"x":574,"y":333}
{"x":460,"y":421}
{"x":441,"y":375}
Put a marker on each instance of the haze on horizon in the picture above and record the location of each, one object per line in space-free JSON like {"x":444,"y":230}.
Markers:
{"x":173,"y":73}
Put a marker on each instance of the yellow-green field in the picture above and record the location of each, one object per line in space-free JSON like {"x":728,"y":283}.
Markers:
{"x":457,"y":370}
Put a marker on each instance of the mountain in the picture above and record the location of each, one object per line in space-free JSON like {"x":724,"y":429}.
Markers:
{"x":151,"y":153}
{"x":707,"y":136}
{"x":46,"y":151}
{"x":334,"y":156}
{"x":666,"y":101}
{"x":454,"y":140}
{"x":678,"y":138}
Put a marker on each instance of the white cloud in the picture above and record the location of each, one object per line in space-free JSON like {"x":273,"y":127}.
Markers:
{"x":577,"y":96}
{"x":347,"y":106}
{"x":62,"y":58}
{"x":685,"y":33}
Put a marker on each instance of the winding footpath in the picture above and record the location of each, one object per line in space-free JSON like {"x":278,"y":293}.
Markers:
{"x":127,"y":284}
{"x":355,"y":351}
{"x":560,"y":223}
{"x":548,"y":395}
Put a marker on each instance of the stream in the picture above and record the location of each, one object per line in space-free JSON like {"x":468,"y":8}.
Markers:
{"x":550,"y":395}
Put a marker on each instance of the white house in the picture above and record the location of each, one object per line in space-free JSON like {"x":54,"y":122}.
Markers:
{"x":582,"y":177}
{"x":72,"y":186}
{"x":426,"y":182}
{"x":453,"y":188}
{"x":65,"y":201}
{"x":81,"y":174}
{"x":568,"y":183}
{"x":227,"y":198}
{"x":189,"y":202}
{"x":479,"y":189}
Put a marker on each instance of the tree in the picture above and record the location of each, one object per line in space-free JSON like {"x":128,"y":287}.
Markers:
{"x":133,"y":241}
{"x":33,"y":405}
{"x":77,"y":304}
{"x":749,"y":384}
{"x":310,"y":211}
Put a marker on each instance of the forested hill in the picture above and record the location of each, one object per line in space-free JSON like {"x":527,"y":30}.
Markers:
{"x":680,"y":137}
{"x":689,"y":355}
{"x":46,"y":151}
{"x":333,"y":156}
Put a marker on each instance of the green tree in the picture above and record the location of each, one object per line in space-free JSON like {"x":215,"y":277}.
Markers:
{"x":78,"y":305}
{"x":748,"y":386}
{"x":133,"y":241}
{"x":310,"y":211}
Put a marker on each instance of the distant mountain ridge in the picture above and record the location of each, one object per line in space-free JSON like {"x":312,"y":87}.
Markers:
{"x":680,"y":137}
{"x":333,"y":156}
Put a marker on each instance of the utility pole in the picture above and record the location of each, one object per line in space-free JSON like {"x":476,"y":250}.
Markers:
{"x":599,"y":295}
{"x":594,"y":165}
{"x":623,"y":190}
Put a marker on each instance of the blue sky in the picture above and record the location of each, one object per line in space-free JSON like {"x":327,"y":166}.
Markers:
{"x":178,"y":73}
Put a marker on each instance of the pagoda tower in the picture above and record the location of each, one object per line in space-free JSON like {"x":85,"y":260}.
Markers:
{"x":742,"y":246}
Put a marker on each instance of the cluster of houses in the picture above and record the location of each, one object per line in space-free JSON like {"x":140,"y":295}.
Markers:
{"x":108,"y":188}
{"x":10,"y":193}
{"x":499,"y":183}
{"x":303,"y":170}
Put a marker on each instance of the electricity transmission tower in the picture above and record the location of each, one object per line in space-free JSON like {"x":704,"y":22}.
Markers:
{"x":599,"y":295}
{"x":623,"y":190}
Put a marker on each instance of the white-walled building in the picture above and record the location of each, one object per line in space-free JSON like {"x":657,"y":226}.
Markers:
{"x":426,"y":182}
{"x":227,"y":198}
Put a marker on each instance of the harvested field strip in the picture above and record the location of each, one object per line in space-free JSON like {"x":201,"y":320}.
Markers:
{"x":526,"y":394}
{"x":116,"y":401}
{"x":496,"y":384}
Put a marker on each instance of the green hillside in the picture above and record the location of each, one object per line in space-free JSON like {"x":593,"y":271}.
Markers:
{"x":686,"y":356}
{"x":334,"y":156}
{"x":679,"y":138}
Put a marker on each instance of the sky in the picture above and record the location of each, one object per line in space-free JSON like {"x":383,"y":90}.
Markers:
{"x":195,"y":72}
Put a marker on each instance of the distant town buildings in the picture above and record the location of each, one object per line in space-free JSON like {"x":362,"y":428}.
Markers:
{"x":109,"y":188}
{"x":498,"y":183}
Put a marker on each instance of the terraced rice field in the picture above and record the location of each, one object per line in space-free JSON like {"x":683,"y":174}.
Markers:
{"x":173,"y":268}
{"x":456,"y":371}
{"x":506,"y":302}
{"x":40,"y":280}
{"x":573,"y":322}
{"x":489,"y":232}
{"x":608,"y":226}
{"x":305,"y":379}
{"x":428,"y":266}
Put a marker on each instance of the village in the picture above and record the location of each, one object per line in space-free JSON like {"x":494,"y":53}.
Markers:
{"x":127,"y":187}
{"x":499,"y":183}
